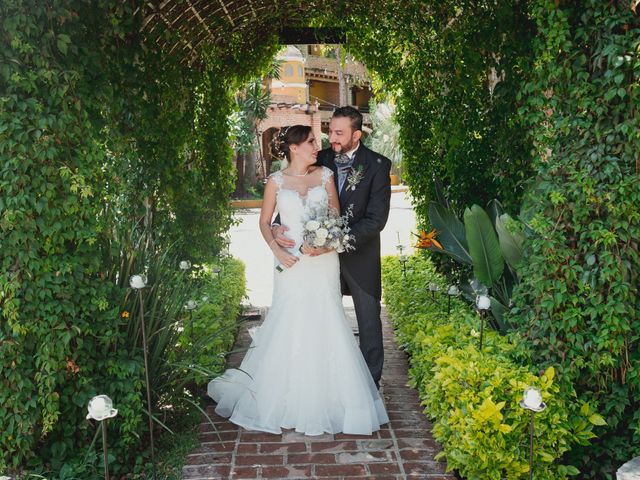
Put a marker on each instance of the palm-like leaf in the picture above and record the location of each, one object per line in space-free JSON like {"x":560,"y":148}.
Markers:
{"x":510,"y":242}
{"x":451,"y":232}
{"x":484,"y":248}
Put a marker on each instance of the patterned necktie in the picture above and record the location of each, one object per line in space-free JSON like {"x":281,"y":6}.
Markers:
{"x":341,"y":159}
{"x":343,"y":162}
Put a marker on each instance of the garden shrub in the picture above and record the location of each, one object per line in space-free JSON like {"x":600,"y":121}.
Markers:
{"x":473,"y":395}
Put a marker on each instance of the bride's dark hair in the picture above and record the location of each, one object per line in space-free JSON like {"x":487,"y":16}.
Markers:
{"x":292,"y":135}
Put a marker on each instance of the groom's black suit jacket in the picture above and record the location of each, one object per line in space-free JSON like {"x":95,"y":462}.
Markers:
{"x":370,"y":201}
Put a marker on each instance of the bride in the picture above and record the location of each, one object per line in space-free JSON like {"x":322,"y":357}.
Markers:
{"x":304,"y":370}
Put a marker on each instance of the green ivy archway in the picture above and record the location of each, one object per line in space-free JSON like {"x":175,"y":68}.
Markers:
{"x":114,"y":113}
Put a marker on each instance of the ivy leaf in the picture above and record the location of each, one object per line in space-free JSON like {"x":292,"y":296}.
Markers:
{"x":610,"y":94}
{"x":63,"y":42}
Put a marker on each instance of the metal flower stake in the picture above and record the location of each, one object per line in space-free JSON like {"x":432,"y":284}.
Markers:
{"x":101,"y":409}
{"x":532,"y":401}
{"x":453,"y":291}
{"x":483,"y":303}
{"x":138,"y":282}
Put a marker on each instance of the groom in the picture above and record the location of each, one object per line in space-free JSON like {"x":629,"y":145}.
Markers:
{"x":362,"y":180}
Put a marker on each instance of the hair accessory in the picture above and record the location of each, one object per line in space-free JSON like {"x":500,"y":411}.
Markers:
{"x":278,"y":141}
{"x":283,"y":132}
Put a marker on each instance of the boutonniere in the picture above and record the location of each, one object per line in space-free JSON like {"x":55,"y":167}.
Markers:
{"x":355,"y":177}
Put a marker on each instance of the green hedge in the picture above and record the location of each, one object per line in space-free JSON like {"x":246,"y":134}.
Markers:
{"x":213,"y":325}
{"x":473,"y":396}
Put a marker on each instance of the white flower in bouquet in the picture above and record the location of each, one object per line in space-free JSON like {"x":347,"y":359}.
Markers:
{"x":322,"y":233}
{"x":312,"y":225}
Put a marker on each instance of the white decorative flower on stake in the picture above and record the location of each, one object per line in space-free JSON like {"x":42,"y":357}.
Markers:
{"x":191,"y":305}
{"x":100,"y":408}
{"x":453,"y":290}
{"x":185,"y":265}
{"x":483,"y":302}
{"x":205,"y":299}
{"x":138,"y":281}
{"x":434,"y":287}
{"x":532,"y":400}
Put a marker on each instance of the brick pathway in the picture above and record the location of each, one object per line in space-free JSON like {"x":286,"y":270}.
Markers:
{"x":403,"y":449}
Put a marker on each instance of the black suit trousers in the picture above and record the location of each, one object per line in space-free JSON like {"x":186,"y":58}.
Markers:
{"x":369,"y":326}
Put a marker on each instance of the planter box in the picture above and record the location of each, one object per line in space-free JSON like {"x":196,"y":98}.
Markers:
{"x":248,"y":203}
{"x":394,"y":179}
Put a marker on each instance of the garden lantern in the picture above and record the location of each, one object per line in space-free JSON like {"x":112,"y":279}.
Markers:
{"x":403,"y":261}
{"x":433,"y":288}
{"x":190,"y":306}
{"x":483,"y":303}
{"x":451,"y":292}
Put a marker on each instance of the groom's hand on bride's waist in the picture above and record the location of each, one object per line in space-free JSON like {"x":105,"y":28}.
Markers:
{"x":278,"y":232}
{"x":306,"y":249}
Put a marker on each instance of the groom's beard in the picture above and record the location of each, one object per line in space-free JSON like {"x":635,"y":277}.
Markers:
{"x":343,"y":148}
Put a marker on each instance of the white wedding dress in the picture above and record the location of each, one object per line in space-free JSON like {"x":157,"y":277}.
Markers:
{"x":304,"y":369}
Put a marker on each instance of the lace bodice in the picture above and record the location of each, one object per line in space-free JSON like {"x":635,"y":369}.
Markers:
{"x":296,"y":207}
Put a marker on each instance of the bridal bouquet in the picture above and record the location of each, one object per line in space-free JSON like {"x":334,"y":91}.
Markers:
{"x":325,"y":227}
{"x":329,"y":229}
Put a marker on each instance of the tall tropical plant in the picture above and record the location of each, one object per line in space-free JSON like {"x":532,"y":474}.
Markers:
{"x":489,"y":241}
{"x":252,"y":103}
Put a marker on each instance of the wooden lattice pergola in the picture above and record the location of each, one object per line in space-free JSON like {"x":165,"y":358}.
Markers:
{"x":183,"y":27}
